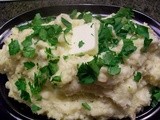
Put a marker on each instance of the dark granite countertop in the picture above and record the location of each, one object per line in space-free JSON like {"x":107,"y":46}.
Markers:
{"x":12,"y":9}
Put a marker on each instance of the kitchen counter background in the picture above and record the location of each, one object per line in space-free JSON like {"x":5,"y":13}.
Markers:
{"x":12,"y":9}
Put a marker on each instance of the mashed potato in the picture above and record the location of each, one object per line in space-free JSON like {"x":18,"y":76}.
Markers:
{"x":61,"y":95}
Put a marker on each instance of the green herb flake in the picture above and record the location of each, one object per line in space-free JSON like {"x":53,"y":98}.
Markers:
{"x":49,"y":53}
{"x":53,"y":41}
{"x":21,"y":84}
{"x":128,"y":48}
{"x":65,"y":57}
{"x":67,"y":24}
{"x":27,"y":42}
{"x":86,"y":106}
{"x":53,"y":66}
{"x":23,"y":27}
{"x":87,"y":17}
{"x":88,"y":72}
{"x":146,"y":44}
{"x":28,"y":52}
{"x":37,"y":21}
{"x":80,"y":44}
{"x":25,"y":96}
{"x":73,"y":14}
{"x":155,"y":92}
{"x":14,"y":47}
{"x":29,"y":65}
{"x":43,"y":34}
{"x":35,"y":108}
{"x":142,"y":31}
{"x":125,"y":12}
{"x":115,"y":70}
{"x":137,"y":76}
{"x":56,"y":79}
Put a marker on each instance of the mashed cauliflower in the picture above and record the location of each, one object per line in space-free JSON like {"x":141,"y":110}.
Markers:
{"x":44,"y":75}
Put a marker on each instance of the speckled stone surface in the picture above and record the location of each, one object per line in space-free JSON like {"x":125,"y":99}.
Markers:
{"x":12,"y":9}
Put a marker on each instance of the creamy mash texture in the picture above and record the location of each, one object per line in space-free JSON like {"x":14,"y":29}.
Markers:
{"x":82,"y":67}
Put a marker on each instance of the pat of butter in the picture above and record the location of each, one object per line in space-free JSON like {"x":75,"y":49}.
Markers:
{"x":84,"y":39}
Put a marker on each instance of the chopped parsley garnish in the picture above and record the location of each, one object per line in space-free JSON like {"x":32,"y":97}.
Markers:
{"x":35,"y":108}
{"x":29,"y":52}
{"x":142,"y":31}
{"x":115,"y":70}
{"x":128,"y":48}
{"x":65,"y":57}
{"x":146,"y":44}
{"x":23,"y":27}
{"x":67,"y":24}
{"x":56,"y":79}
{"x":137,"y":76}
{"x":110,"y":58}
{"x":37,"y":21}
{"x":14,"y":47}
{"x":88,"y":72}
{"x":21,"y":86}
{"x":25,"y":96}
{"x":86,"y":106}
{"x":155,"y":92}
{"x":53,"y":66}
{"x":27,"y":42}
{"x":29,"y":65}
{"x":43,"y":34}
{"x":42,"y":76}
{"x":49,"y":53}
{"x":73,"y":14}
{"x":80,"y":44}
{"x":87,"y":17}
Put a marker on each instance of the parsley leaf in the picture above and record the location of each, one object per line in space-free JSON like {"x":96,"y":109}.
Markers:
{"x":27,"y":42}
{"x":104,"y":38}
{"x":25,"y":96}
{"x":80,"y":44}
{"x":29,"y":65}
{"x":14,"y":47}
{"x":37,"y":21}
{"x":142,"y":31}
{"x":53,"y":41}
{"x":53,"y":67}
{"x":23,"y":27}
{"x":125,"y":12}
{"x":73,"y":14}
{"x":28,"y":52}
{"x":87,"y":17}
{"x":86,"y":106}
{"x":49,"y":53}
{"x":146,"y":44}
{"x":21,"y":84}
{"x":137,"y":76}
{"x":155,"y":92}
{"x":48,"y":19}
{"x":128,"y":48}
{"x":67,"y":24}
{"x":43,"y":34}
{"x":56,"y":79}
{"x":88,"y":72}
{"x":115,"y":70}
{"x":110,"y":58}
{"x":35,"y":108}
